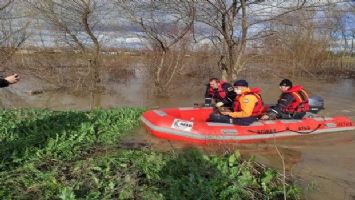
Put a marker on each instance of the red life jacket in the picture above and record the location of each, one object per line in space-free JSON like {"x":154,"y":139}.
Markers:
{"x":259,"y":107}
{"x":301,"y":100}
{"x":220,"y":90}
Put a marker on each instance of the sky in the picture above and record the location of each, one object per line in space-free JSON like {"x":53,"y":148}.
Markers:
{"x":115,"y":31}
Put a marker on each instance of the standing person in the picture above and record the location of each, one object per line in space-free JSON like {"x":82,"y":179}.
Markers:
{"x":4,"y":82}
{"x":219,"y":92}
{"x":248,"y":106}
{"x":293,"y":102}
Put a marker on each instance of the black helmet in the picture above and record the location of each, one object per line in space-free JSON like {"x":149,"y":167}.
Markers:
{"x":286,"y":82}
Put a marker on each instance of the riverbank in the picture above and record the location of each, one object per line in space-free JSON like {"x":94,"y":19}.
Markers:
{"x":70,"y":70}
{"x":80,"y":155}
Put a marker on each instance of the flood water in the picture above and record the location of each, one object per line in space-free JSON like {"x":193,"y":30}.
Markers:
{"x":324,"y":163}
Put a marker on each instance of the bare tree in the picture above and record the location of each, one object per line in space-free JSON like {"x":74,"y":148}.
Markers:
{"x":341,"y":17}
{"x":222,"y":16}
{"x":5,"y":4}
{"x":74,"y":21}
{"x":13,"y":29}
{"x":297,"y":44}
{"x":165,"y":26}
{"x":306,"y":40}
{"x":237,"y":23}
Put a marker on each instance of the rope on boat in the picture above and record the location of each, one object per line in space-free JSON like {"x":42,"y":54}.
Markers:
{"x":287,"y":129}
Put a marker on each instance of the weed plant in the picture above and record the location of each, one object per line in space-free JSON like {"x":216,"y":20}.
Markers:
{"x":75,"y":155}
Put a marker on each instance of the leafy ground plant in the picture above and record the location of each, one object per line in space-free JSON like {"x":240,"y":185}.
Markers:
{"x":74,"y":155}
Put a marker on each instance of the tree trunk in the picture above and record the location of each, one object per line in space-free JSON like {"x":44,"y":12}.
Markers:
{"x":231,"y":63}
{"x":93,"y":38}
{"x":237,"y":65}
{"x":157,"y":74}
{"x":95,"y":63}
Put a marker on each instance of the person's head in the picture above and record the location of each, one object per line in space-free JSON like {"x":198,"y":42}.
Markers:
{"x":240,"y":85}
{"x":285,"y":85}
{"x":214,"y":83}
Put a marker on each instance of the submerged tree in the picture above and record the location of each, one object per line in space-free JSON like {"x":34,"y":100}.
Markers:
{"x":165,"y":26}
{"x":237,"y":25}
{"x":342,"y":19}
{"x":13,"y":29}
{"x":75,"y":22}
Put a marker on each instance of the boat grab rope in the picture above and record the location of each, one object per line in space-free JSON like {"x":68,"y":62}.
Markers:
{"x":288,"y":129}
{"x":300,"y":132}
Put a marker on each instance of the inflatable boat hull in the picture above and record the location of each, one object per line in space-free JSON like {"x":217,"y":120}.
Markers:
{"x":189,"y":125}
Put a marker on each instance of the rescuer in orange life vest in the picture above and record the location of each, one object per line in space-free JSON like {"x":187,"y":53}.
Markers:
{"x":220,"y":92}
{"x":292,"y":104}
{"x":248,"y":106}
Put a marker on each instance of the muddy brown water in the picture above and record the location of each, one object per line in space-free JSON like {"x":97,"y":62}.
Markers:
{"x":322,"y":164}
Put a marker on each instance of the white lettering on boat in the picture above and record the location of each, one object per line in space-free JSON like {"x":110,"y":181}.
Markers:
{"x":182,"y":125}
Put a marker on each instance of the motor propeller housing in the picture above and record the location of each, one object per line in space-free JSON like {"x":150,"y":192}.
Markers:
{"x":316,"y":104}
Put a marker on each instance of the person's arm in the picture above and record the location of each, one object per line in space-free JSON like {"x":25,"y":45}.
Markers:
{"x":282,"y":104}
{"x":247,"y":105}
{"x":230,"y":94}
{"x":4,"y":82}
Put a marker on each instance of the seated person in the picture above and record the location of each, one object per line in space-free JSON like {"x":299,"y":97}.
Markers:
{"x":247,"y":107}
{"x":292,"y":104}
{"x":219,"y":92}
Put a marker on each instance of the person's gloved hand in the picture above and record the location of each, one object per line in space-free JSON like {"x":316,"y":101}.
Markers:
{"x":269,"y":116}
{"x":265,"y":117}
{"x":219,"y":104}
{"x":272,"y":115}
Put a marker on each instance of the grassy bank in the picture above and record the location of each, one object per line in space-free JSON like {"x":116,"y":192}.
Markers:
{"x":75,"y":155}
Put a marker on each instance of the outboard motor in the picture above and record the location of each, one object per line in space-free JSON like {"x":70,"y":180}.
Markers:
{"x":316,"y":103}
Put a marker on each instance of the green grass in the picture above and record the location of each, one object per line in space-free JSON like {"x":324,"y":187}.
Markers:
{"x":34,"y":134}
{"x":75,"y":155}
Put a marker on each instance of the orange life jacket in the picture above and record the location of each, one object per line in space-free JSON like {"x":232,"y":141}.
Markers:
{"x":220,"y":90}
{"x":301,"y":100}
{"x":259,"y":107}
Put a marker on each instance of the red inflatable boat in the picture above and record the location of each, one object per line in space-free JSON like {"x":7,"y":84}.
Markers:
{"x":189,"y":124}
